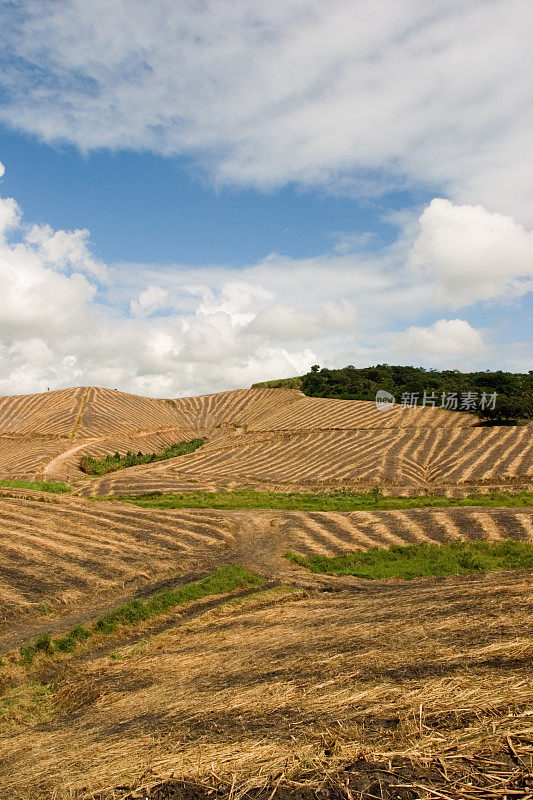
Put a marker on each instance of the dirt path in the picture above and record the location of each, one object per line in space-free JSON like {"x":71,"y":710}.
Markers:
{"x":52,"y":469}
{"x":155,"y":625}
{"x":24,"y":630}
{"x":84,"y":402}
{"x":261,"y":544}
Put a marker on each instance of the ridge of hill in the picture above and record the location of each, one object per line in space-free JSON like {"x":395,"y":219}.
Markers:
{"x":263,"y":437}
{"x":87,"y":411}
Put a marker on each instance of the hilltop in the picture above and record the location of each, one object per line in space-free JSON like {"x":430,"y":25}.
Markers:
{"x":263,"y":437}
{"x":514,"y":390}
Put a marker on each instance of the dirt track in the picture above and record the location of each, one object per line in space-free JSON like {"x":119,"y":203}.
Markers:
{"x":22,"y":631}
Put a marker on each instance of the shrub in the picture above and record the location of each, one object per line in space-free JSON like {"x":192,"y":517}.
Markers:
{"x":101,"y":466}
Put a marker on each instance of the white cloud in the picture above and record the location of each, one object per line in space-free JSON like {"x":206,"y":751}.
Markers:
{"x":37,"y":299}
{"x":149,"y":301}
{"x":9,"y":216}
{"x":472,"y":254}
{"x":59,"y":327}
{"x":64,"y":315}
{"x":290,"y":323}
{"x":333,"y":92}
{"x":351,"y":96}
{"x":444,"y":339}
{"x":2,"y":170}
{"x":65,"y":249}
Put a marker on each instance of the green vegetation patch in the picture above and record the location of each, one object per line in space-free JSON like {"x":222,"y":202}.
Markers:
{"x":38,"y":486}
{"x":424,"y":560}
{"x":514,"y":403}
{"x":293,"y":501}
{"x":221,"y":581}
{"x":67,"y":643}
{"x":45,"y":644}
{"x":101,"y":466}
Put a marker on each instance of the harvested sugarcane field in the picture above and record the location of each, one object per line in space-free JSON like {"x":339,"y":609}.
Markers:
{"x":260,"y":594}
{"x":266,"y":400}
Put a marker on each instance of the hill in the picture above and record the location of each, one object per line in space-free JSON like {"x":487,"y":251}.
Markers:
{"x":513,"y":401}
{"x":160,"y":653}
{"x":273,"y":438}
{"x":270,"y":438}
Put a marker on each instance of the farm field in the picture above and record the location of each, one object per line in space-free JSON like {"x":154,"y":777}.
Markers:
{"x":62,"y":552}
{"x":295,"y":682}
{"x":275,"y":439}
{"x":414,"y":687}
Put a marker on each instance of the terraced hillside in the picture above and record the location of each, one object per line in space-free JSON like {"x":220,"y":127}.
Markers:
{"x":35,"y":429}
{"x":28,"y":456}
{"x":395,"y":459}
{"x":259,"y":437}
{"x":320,"y":414}
{"x":291,"y":685}
{"x":67,"y":552}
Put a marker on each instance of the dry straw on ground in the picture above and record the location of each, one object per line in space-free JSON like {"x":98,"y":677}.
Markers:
{"x":432,"y":673}
{"x":260,"y":437}
{"x":344,"y":691}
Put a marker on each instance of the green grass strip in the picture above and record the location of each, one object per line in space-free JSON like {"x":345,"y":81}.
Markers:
{"x":222,"y":581}
{"x":101,"y":466}
{"x":38,"y":486}
{"x":340,"y":501}
{"x":424,"y":560}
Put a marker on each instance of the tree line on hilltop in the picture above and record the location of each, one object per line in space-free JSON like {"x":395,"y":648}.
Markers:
{"x":496,"y":397}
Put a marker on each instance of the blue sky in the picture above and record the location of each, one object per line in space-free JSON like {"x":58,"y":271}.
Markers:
{"x":119,"y":195}
{"x":208,"y":195}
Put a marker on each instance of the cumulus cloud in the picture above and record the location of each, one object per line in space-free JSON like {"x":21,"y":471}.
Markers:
{"x":349,"y":95}
{"x":9,"y":216}
{"x":149,"y":301}
{"x":60,"y":326}
{"x":445,"y":339}
{"x":67,"y":319}
{"x":472,"y":254}
{"x":65,"y":249}
{"x":2,"y":170}
{"x":38,"y":299}
{"x":289,"y":322}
